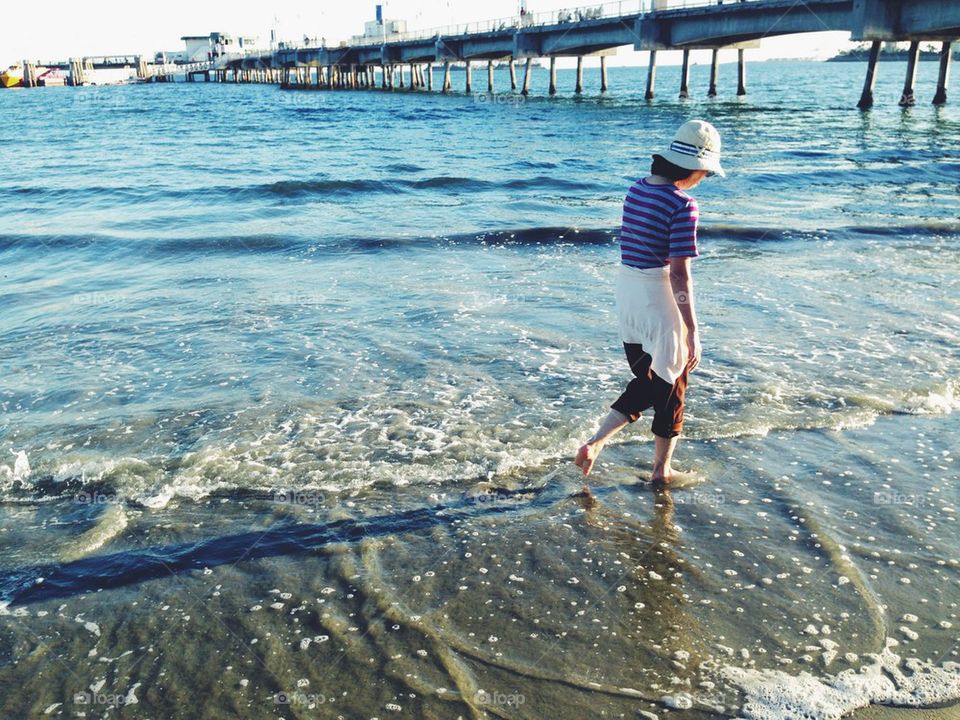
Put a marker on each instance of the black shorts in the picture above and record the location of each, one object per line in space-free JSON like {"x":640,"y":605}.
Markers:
{"x":647,"y":390}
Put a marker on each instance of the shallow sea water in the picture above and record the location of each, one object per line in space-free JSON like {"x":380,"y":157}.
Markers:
{"x":292,"y":382}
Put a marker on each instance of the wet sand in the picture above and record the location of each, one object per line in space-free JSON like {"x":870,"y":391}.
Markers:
{"x":874,"y":712}
{"x":515,"y":600}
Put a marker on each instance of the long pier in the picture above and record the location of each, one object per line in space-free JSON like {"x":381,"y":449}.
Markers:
{"x":598,"y":30}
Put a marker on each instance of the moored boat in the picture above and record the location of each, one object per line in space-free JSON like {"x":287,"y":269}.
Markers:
{"x":52,"y":78}
{"x":12,"y":76}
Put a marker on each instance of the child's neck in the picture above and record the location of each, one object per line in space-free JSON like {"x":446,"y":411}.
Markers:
{"x":658,"y":180}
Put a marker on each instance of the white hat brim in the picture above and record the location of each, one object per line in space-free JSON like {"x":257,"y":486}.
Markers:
{"x":689,"y":162}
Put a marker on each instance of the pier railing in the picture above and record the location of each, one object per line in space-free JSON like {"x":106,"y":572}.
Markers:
{"x":177,"y":68}
{"x":599,"y":11}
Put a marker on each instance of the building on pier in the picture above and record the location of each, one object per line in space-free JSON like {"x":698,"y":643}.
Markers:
{"x":205,"y":48}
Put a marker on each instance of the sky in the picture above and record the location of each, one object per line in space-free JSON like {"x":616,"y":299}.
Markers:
{"x":117,"y":27}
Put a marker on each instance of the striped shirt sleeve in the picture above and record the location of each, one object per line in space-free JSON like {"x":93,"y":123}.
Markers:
{"x":683,"y":231}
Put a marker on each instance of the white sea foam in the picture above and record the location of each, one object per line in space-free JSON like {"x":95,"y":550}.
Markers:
{"x":888,"y":679}
{"x":19,"y":471}
{"x":931,"y":402}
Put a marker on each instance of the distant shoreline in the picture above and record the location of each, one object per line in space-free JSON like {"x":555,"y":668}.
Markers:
{"x":862,"y":54}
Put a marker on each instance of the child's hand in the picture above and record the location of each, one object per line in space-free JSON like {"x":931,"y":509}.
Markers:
{"x":694,"y":350}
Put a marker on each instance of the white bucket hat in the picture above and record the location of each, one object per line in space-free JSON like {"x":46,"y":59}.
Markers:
{"x":696,"y":146}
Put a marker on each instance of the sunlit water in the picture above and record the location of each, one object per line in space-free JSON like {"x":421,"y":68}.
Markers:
{"x":375,"y":327}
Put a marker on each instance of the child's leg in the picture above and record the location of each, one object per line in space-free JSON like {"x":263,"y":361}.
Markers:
{"x":613,"y":423}
{"x":627,"y":408}
{"x":667,"y":424}
{"x":662,"y":455}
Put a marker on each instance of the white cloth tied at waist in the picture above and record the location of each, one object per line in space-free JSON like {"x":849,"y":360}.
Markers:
{"x":649,"y":316}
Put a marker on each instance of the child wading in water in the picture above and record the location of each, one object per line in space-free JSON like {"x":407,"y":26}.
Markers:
{"x":658,"y":322}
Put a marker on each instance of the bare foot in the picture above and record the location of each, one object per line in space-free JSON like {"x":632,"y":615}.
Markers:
{"x":586,"y":456}
{"x":673,"y":478}
{"x":662,"y":475}
{"x":586,"y":498}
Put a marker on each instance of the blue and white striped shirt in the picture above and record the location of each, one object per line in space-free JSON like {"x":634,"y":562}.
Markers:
{"x":659,"y":222}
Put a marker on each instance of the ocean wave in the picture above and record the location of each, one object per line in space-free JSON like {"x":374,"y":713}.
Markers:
{"x":267,"y":243}
{"x":404,"y":168}
{"x":73,"y":575}
{"x":507,"y":236}
{"x":296,"y":188}
{"x":111,"y":522}
{"x":279,"y":458}
{"x":890,"y":173}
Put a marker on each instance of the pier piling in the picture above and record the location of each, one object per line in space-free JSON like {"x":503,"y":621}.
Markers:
{"x":603,"y":73}
{"x":430,"y":77}
{"x":907,"y":98}
{"x":469,"y":80}
{"x":445,"y":88}
{"x":579,"y":86}
{"x":490,"y":76}
{"x":714,"y":71}
{"x":29,"y":74}
{"x":943,"y":80}
{"x":76,"y":73}
{"x":651,"y":75}
{"x":526,"y":78}
{"x":685,"y":75}
{"x":866,"y":97}
{"x":513,"y":76}
{"x":553,"y":75}
{"x":741,"y":74}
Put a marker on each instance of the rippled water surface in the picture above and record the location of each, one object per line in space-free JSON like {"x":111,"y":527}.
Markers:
{"x":294,"y":379}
